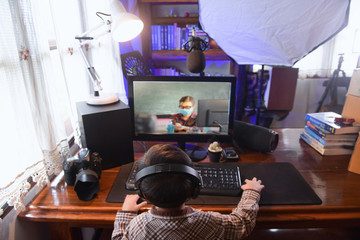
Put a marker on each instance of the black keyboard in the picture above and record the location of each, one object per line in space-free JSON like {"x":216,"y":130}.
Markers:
{"x":218,"y":179}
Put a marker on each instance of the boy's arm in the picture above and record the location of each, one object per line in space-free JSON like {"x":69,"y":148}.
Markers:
{"x":241,"y":221}
{"x":123,"y":217}
{"x":244,"y":215}
{"x":122,"y":220}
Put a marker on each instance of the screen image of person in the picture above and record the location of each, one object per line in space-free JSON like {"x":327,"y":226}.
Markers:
{"x":186,"y":118}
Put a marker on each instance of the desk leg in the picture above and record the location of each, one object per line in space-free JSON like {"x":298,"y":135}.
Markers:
{"x":63,"y":231}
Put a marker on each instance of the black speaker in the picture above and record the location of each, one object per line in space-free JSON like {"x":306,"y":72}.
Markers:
{"x":255,"y":137}
{"x":161,"y":168}
{"x":107,"y":129}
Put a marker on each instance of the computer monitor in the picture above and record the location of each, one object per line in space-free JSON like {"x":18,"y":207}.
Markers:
{"x":154,"y":100}
{"x":213,"y":113}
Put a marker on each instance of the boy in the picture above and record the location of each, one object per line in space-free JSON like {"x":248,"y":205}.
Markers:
{"x":186,"y":117}
{"x":170,"y":218}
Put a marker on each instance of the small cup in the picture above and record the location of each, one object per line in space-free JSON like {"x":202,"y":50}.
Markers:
{"x":215,"y":156}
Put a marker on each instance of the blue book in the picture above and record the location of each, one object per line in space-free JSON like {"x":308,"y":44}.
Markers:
{"x":153,"y":41}
{"x":326,"y":121}
{"x":169,"y":37}
{"x":166,"y":38}
{"x":158,"y":33}
{"x":319,"y":130}
{"x":329,"y":143}
{"x":311,"y":142}
{"x":175,"y":40}
{"x":335,"y":150}
{"x":171,"y":34}
{"x":162,"y":37}
{"x":309,"y":131}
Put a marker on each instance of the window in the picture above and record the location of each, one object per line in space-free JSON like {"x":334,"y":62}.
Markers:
{"x":42,"y":77}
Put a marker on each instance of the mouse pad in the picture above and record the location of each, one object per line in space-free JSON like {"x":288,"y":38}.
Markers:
{"x":284,"y":185}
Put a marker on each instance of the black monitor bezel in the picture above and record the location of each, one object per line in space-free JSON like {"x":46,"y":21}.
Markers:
{"x":183,"y":137}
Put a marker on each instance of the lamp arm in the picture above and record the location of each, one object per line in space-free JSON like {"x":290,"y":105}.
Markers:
{"x":83,"y":39}
{"x":93,"y":29}
{"x":92,"y":73}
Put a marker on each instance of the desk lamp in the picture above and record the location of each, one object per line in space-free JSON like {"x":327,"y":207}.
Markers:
{"x":123,"y":26}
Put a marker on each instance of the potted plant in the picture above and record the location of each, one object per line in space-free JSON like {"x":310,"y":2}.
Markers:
{"x":215,"y":152}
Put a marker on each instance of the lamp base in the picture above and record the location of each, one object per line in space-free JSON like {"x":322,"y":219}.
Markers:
{"x":103,"y":99}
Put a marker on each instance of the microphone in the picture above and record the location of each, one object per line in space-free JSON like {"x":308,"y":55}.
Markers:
{"x":195,"y":61}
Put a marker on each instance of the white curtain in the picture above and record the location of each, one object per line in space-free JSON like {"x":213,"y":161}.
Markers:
{"x":33,"y":135}
{"x":41,"y":86}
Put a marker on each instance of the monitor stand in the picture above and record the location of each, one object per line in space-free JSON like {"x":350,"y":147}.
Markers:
{"x":196,"y":153}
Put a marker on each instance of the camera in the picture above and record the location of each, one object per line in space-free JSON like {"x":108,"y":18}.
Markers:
{"x":83,"y":171}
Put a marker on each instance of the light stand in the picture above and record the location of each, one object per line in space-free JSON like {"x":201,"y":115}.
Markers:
{"x":123,"y":27}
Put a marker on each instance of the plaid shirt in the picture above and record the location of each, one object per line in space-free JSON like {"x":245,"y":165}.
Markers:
{"x":191,"y":122}
{"x":195,"y":224}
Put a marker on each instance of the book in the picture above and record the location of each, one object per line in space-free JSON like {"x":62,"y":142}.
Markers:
{"x":325,"y":151}
{"x":327,"y":144}
{"x":345,"y":139}
{"x":325,"y":121}
{"x":329,"y":136}
{"x":153,"y":42}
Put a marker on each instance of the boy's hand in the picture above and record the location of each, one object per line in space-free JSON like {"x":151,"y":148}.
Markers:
{"x":254,"y":184}
{"x":178,"y":127}
{"x":130,"y":203}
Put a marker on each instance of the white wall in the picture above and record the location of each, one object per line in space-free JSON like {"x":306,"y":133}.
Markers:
{"x":307,"y":96}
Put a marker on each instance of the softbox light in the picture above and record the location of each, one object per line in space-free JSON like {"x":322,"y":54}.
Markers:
{"x":272,"y":32}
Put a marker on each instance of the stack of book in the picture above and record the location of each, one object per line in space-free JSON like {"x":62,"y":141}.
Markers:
{"x":173,"y":37}
{"x":329,"y":133}
{"x":166,"y":71}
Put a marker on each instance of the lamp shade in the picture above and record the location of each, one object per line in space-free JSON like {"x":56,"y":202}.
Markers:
{"x":125,"y":26}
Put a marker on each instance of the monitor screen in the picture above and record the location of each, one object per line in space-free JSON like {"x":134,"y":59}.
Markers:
{"x":181,"y":109}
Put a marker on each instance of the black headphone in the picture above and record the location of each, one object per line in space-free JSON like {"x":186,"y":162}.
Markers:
{"x":193,"y":175}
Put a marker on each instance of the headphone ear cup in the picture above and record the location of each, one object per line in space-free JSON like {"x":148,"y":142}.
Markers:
{"x":195,"y":191}
{"x":196,"y":183}
{"x":138,"y":190}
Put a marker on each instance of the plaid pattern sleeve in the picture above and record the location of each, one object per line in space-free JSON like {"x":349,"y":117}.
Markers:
{"x":240,"y":223}
{"x":194,"y":225}
{"x":122,"y":220}
{"x":191,"y":122}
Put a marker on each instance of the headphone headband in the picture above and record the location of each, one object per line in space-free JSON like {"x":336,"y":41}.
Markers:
{"x":167,"y":168}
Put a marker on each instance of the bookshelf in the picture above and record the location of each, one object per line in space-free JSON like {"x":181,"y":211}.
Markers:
{"x":150,"y":17}
{"x":171,"y":55}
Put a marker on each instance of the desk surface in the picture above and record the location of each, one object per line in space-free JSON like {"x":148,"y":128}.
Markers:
{"x":338,"y":189}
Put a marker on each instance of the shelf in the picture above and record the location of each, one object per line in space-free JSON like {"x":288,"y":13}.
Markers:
{"x":172,"y":20}
{"x":168,"y":55}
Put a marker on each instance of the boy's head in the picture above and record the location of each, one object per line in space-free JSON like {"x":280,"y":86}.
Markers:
{"x":186,"y":99}
{"x":169,"y":189}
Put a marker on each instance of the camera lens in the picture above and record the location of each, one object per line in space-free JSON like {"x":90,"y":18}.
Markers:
{"x":86,"y":184}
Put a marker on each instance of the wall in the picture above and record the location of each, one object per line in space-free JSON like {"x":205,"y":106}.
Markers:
{"x":307,"y":96}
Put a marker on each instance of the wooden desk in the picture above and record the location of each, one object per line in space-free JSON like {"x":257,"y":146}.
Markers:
{"x":64,"y":213}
